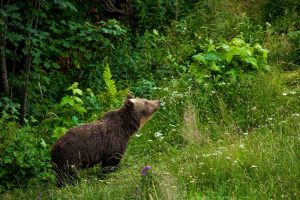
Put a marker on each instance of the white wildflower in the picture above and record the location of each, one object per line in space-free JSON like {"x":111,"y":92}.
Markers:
{"x":158,"y":134}
{"x":282,"y":122}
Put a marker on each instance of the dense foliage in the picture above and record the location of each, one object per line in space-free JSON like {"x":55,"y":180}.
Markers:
{"x":227,"y":73}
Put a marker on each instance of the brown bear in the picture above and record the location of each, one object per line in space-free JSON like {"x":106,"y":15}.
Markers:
{"x":103,"y":141}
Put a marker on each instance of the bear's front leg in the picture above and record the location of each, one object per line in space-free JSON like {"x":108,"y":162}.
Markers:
{"x":110,"y":163}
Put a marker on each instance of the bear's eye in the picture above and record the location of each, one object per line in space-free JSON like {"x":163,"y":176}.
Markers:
{"x":146,"y":102}
{"x":144,"y":112}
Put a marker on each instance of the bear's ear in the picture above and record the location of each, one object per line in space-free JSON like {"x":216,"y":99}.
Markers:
{"x":129,"y":96}
{"x":129,"y":104}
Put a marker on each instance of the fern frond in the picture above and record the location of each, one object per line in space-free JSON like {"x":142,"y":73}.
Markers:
{"x":109,"y":82}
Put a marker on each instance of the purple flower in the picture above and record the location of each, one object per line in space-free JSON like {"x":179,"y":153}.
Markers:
{"x":144,"y":170}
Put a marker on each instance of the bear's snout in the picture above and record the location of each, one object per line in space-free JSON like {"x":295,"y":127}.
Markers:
{"x":155,"y":104}
{"x":158,"y":103}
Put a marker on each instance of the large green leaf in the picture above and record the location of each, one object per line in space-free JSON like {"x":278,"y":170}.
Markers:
{"x":199,"y":58}
{"x":215,"y":67}
{"x":207,"y":57}
{"x":67,"y":100}
{"x":251,"y":60}
{"x":79,"y":109}
{"x":78,"y":100}
{"x":212,"y":57}
{"x":238,"y":42}
{"x":229,"y":55}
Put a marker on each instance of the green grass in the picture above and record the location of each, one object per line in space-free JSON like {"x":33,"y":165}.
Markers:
{"x":200,"y":158}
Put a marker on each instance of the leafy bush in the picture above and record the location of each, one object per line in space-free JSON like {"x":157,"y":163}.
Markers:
{"x":144,"y":88}
{"x":294,"y":37}
{"x":228,"y":60}
{"x":22,"y":156}
{"x":159,"y":13}
{"x":9,"y":110}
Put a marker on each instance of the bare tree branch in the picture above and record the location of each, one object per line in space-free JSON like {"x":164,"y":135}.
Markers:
{"x":110,"y":6}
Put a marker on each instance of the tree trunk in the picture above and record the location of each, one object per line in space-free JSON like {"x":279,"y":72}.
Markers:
{"x":27,"y":67}
{"x":3,"y":70}
{"x":4,"y":79}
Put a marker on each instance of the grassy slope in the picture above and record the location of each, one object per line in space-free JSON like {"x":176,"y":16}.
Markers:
{"x":241,"y":143}
{"x":260,"y":164}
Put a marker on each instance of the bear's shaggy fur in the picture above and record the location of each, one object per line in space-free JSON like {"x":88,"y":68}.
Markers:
{"x":103,"y":141}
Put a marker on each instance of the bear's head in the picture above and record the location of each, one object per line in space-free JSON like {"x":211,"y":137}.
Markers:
{"x":142,"y":108}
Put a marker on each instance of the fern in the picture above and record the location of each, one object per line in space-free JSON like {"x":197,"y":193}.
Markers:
{"x":111,"y":88}
{"x":109,"y":82}
{"x":113,"y":96}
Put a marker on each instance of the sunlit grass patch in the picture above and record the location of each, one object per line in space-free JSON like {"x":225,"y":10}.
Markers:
{"x":262,"y":164}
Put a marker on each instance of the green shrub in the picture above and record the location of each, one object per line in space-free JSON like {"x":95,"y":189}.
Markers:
{"x":159,"y":13}
{"x":144,"y":88}
{"x":228,"y":60}
{"x":23,"y":156}
{"x":9,"y":110}
{"x":294,"y":37}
